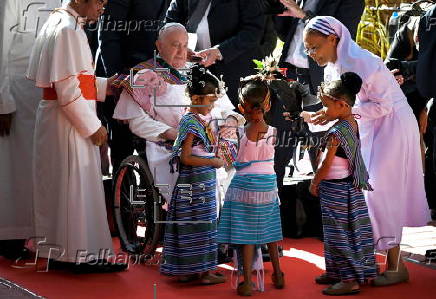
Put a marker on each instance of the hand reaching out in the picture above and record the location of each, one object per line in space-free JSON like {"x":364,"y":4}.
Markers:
{"x":319,"y":118}
{"x":293,"y":9}
{"x":210,"y":56}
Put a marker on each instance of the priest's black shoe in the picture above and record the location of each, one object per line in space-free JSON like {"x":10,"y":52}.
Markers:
{"x":100,"y":266}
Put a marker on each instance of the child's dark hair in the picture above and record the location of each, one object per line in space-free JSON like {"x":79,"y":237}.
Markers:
{"x":202,"y":81}
{"x":253,"y":90}
{"x":347,"y":88}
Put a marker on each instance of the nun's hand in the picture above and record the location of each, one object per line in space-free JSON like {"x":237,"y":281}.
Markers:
{"x":400,"y":79}
{"x":398,"y":76}
{"x":307,"y":116}
{"x":319,"y":118}
{"x":423,"y":121}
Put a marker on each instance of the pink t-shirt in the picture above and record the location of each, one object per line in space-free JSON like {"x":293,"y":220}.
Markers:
{"x":262,"y":149}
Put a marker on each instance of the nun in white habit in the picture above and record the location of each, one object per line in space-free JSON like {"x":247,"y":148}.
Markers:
{"x":389,"y":136}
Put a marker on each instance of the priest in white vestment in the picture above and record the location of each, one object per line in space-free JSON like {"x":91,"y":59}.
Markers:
{"x":70,"y":213}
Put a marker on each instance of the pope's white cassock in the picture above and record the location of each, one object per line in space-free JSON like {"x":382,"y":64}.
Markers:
{"x":68,"y":191}
{"x":20,"y":20}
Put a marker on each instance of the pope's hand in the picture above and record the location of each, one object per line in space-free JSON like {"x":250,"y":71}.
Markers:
{"x":170,"y":134}
{"x":217,"y":162}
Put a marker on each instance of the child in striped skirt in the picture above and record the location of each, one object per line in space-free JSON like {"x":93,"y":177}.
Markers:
{"x":251,"y":215}
{"x":348,"y":238}
{"x":190,"y":248}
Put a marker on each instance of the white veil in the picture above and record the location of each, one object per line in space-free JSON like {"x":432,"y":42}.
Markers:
{"x":351,"y":57}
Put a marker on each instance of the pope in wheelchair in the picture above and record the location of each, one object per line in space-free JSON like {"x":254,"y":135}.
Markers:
{"x":152,"y":103}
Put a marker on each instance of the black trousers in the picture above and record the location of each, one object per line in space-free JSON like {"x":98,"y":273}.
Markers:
{"x":284,"y":149}
{"x":430,"y":159}
{"x":287,"y":140}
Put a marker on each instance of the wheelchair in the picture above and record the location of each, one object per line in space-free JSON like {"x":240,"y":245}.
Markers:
{"x":138,"y":206}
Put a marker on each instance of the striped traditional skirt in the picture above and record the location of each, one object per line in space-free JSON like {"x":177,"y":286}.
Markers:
{"x":251,"y":213}
{"x":348,"y":237}
{"x":190,"y":239}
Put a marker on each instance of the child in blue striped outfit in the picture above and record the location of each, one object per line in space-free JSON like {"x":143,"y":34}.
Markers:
{"x":348,"y":237}
{"x":251,"y":215}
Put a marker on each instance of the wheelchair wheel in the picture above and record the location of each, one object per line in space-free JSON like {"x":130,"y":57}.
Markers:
{"x":137,"y":207}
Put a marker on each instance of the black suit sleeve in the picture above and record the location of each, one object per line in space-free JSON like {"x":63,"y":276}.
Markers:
{"x":283,"y":26}
{"x":269,"y":38}
{"x":177,"y":12}
{"x":116,"y":12}
{"x":349,"y":13}
{"x":252,"y":21}
{"x":425,"y":77}
{"x":272,"y":7}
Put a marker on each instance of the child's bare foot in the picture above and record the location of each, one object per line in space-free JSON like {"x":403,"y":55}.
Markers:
{"x":278,"y":280}
{"x":245,"y":289}
{"x":188,"y":278}
{"x":211,"y":278}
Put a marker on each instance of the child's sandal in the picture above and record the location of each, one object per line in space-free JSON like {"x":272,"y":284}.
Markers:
{"x":278,"y":280}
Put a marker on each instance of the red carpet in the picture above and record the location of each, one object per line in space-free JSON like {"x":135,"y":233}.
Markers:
{"x":138,"y":281}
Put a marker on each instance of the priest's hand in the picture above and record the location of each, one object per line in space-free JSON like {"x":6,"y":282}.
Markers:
{"x":5,"y":124}
{"x":293,"y":9}
{"x":110,"y":80}
{"x":100,"y":137}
